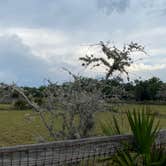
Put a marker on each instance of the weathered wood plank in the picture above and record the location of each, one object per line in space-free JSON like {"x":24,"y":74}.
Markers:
{"x":69,"y":151}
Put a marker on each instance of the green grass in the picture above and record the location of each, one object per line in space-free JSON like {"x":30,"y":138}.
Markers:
{"x":16,"y":129}
{"x":106,"y":117}
{"x":4,"y":107}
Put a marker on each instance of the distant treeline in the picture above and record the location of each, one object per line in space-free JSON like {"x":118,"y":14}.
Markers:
{"x":152,"y":89}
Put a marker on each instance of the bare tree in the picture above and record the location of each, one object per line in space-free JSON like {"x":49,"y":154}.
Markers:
{"x":77,"y":105}
{"x":73,"y":104}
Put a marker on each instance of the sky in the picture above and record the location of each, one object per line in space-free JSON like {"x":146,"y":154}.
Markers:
{"x":38,"y":38}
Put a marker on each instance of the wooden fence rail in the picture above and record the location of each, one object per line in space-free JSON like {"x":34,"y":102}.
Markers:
{"x":71,"y":152}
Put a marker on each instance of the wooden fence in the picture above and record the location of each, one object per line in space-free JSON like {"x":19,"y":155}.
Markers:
{"x":86,"y":151}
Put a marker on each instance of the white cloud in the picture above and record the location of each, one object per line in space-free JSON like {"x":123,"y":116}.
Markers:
{"x":42,"y":42}
{"x":143,"y":67}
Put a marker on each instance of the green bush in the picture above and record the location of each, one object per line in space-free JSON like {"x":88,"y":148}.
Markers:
{"x":20,"y":105}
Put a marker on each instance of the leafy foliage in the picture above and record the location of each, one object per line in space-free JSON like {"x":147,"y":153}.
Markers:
{"x":20,"y":105}
{"x":144,"y":130}
{"x":125,"y":158}
{"x":144,"y":151}
{"x":109,"y":128}
{"x":147,"y":90}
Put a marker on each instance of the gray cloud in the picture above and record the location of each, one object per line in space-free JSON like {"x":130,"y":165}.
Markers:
{"x":77,"y":15}
{"x":108,"y":6}
{"x":42,"y":13}
{"x":18,"y":64}
{"x":73,"y":13}
{"x":67,"y":15}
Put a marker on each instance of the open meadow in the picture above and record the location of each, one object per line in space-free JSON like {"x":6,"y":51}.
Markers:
{"x":25,"y":127}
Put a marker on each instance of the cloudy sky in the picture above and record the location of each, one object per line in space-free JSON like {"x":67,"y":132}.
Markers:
{"x":40,"y":37}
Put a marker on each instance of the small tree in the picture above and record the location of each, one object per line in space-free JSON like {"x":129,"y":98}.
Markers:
{"x":115,"y":60}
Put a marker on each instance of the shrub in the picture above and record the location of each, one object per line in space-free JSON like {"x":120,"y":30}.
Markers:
{"x":20,"y":105}
{"x":144,"y":151}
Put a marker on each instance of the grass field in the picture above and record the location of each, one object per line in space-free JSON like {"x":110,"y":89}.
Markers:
{"x":16,"y":129}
